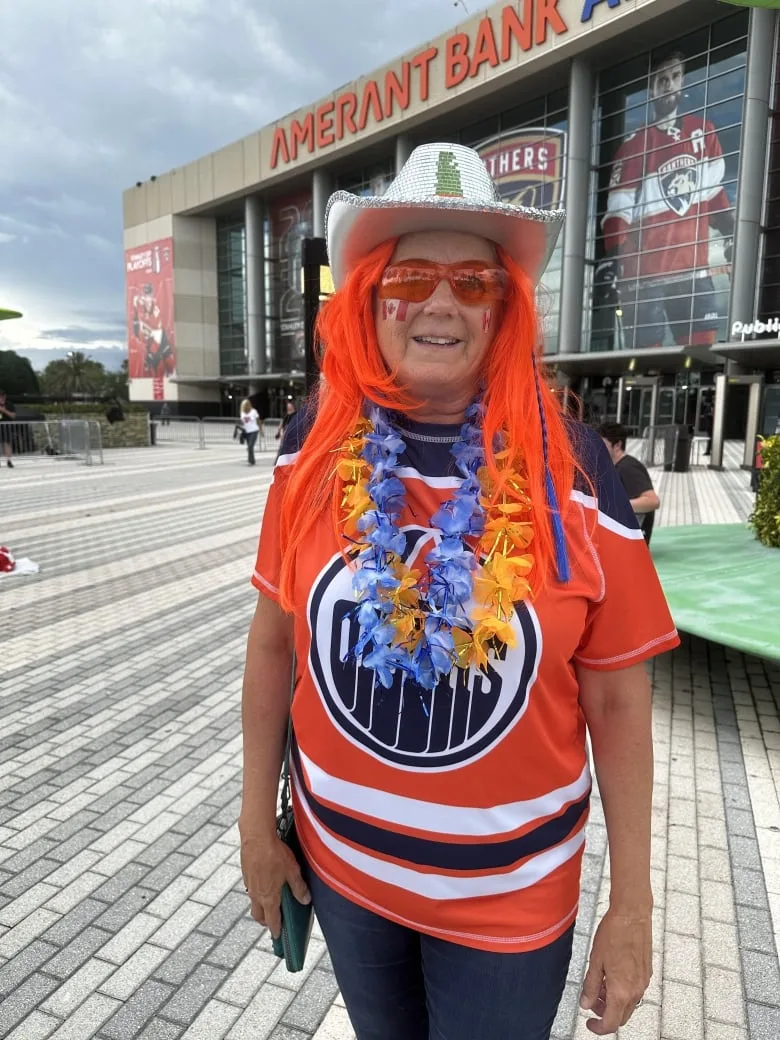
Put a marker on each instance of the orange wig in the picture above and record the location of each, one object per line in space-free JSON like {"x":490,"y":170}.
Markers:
{"x":353,"y":372}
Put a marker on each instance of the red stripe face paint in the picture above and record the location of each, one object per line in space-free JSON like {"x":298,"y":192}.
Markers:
{"x":487,"y":318}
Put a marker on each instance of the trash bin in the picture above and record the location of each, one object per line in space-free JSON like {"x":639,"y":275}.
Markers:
{"x":678,"y":444}
{"x":152,"y":433}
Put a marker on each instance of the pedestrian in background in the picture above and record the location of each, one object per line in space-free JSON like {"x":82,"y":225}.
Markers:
{"x":633,"y":476}
{"x":250,"y":426}
{"x":7,"y":415}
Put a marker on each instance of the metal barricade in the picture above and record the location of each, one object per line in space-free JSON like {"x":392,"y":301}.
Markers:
{"x":219,"y":430}
{"x":269,"y":433}
{"x":178,"y":429}
{"x":659,"y":445}
{"x":52,"y":439}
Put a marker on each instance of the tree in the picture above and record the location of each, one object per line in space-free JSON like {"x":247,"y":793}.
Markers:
{"x":115,"y":384}
{"x":17,"y":376}
{"x":74,"y":375}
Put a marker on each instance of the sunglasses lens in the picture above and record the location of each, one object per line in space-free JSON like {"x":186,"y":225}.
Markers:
{"x":406,"y":282}
{"x":474,"y":285}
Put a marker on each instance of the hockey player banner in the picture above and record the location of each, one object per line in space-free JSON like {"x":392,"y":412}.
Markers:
{"x":666,"y":229}
{"x":150,"y":328}
{"x":290,"y":223}
{"x":527,"y":166}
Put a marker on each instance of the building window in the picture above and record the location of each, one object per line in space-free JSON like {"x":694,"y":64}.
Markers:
{"x":524,"y":149}
{"x":668,"y":137}
{"x":368,"y":180}
{"x":231,"y":296}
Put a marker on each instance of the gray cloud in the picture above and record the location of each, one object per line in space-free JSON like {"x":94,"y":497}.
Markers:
{"x":97,"y":97}
{"x":81,"y":334}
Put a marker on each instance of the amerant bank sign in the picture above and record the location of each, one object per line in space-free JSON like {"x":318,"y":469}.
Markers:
{"x":502,"y":38}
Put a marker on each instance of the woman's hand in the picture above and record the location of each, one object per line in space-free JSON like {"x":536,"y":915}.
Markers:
{"x":266,"y":864}
{"x":619,"y":970}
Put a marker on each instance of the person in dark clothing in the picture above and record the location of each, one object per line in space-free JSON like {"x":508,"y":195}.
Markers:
{"x":7,"y":415}
{"x":633,"y":476}
{"x":290,"y":411}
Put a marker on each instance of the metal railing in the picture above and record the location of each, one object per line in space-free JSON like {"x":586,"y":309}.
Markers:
{"x":189,"y":429}
{"x":74,"y":439}
{"x":659,"y":444}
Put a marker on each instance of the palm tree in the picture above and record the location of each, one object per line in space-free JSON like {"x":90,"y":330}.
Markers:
{"x":74,"y":375}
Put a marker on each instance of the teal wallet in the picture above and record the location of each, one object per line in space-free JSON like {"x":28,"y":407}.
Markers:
{"x":297,"y":918}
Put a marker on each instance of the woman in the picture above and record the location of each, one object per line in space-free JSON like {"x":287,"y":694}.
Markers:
{"x":440,"y":772}
{"x":250,"y":426}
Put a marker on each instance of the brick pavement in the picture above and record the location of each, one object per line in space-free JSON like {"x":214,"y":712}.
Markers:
{"x":122,"y":914}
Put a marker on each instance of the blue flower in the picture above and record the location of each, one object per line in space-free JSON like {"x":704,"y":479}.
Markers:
{"x":461,"y":516}
{"x":468,"y":455}
{"x":370,"y":579}
{"x":382,"y":533}
{"x":451,"y":550}
{"x":385,"y":660}
{"x":440,"y":645}
{"x":388,"y":494}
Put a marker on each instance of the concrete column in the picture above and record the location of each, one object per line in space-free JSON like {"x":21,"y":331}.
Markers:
{"x":751,"y":426}
{"x":621,"y":391}
{"x":718,"y":421}
{"x":321,"y":190}
{"x":255,"y":284}
{"x":578,"y":155}
{"x":752,"y":167}
{"x":403,"y":149}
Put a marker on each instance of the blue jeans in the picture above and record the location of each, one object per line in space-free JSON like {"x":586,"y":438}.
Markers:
{"x":399,"y":984}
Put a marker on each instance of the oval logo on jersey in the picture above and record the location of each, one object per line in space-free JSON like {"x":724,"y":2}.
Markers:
{"x":406,"y":725}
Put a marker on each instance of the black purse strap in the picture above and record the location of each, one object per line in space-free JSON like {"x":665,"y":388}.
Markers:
{"x":285,"y":800}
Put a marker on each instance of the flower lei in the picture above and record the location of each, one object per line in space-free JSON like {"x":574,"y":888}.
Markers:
{"x":419,"y":624}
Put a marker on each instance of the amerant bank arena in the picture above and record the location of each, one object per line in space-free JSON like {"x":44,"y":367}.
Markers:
{"x":655,"y":123}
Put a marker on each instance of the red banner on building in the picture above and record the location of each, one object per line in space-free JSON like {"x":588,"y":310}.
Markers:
{"x":150,"y":330}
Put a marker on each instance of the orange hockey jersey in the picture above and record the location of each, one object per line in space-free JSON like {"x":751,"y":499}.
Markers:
{"x":461,"y":813}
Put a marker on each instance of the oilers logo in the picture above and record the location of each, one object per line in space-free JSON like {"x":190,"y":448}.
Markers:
{"x":406,"y":725}
{"x":679,"y":180}
{"x":527,"y":166}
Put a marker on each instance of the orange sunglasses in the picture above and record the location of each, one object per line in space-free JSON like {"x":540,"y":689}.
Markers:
{"x":472,"y":281}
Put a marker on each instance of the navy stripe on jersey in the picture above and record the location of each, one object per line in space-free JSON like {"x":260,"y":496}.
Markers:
{"x":443,"y":855}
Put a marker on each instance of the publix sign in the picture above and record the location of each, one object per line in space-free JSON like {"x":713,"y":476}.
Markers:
{"x":756,"y":327}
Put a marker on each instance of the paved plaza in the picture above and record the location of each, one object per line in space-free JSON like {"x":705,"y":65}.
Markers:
{"x":122,"y":911}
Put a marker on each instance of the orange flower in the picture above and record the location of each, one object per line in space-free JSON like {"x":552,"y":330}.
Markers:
{"x":356,"y":502}
{"x":407,"y":594}
{"x":486,"y":629}
{"x":501,"y":534}
{"x":501,"y":583}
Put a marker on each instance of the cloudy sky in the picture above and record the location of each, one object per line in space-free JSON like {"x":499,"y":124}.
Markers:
{"x":98,"y":94}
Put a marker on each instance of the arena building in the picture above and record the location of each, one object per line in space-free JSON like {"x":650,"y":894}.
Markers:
{"x":654,"y":122}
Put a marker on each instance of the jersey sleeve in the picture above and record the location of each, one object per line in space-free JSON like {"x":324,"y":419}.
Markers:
{"x":630,"y":620}
{"x":268,"y":564}
{"x":625,"y":182}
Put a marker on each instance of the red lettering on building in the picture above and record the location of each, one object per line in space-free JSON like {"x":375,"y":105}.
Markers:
{"x":346,"y":106}
{"x":484,"y":49}
{"x":397,"y":90}
{"x":279,"y":147}
{"x":302,"y":133}
{"x":457,"y":60}
{"x":513,"y":28}
{"x":422,"y":61}
{"x":547,"y":13}
{"x":523,"y":26}
{"x":370,"y":100}
{"x":325,"y":135}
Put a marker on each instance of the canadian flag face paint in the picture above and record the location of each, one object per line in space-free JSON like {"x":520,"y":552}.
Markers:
{"x":394,"y":310}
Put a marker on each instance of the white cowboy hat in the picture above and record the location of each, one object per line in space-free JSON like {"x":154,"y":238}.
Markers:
{"x":441,"y":187}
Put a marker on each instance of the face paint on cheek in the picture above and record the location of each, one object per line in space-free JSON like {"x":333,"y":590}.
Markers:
{"x":487,"y":319}
{"x":394,"y":310}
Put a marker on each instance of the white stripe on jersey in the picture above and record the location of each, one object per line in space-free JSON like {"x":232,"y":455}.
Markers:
{"x":447,"y":886}
{"x":607,"y":521}
{"x":435,"y":818}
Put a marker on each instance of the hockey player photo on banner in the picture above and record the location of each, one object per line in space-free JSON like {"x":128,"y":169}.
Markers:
{"x":150,"y":335}
{"x":666,"y":213}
